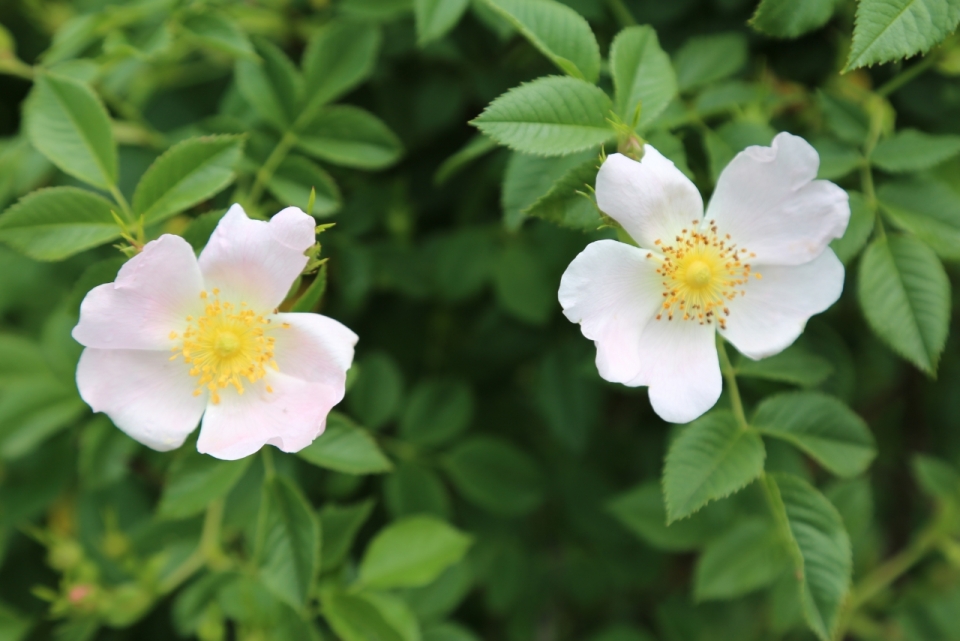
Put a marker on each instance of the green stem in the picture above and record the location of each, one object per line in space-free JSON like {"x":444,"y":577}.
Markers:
{"x":904,"y":77}
{"x":870,"y":194}
{"x":207,"y":552}
{"x":124,"y":205}
{"x":892,"y":569}
{"x":730,"y":376}
{"x":884,"y":575}
{"x":270,"y":166}
{"x":16,"y":67}
{"x":621,"y":13}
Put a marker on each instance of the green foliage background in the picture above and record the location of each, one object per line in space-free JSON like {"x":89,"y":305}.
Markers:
{"x":480,"y":480}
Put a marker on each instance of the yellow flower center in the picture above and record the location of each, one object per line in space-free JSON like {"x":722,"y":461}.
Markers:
{"x":226,"y":345}
{"x":701,"y":272}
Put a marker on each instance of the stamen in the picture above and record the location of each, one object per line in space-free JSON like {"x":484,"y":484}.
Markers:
{"x":701,"y":271}
{"x":224,"y":346}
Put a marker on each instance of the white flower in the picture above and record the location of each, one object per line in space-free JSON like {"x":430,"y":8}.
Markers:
{"x":174,"y":339}
{"x":755,"y":268}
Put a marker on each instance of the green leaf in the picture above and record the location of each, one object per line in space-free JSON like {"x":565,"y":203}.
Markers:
{"x":905,"y":295}
{"x":892,"y":29}
{"x":435,"y":18}
{"x":495,"y":475}
{"x":340,"y":525}
{"x":346,"y":448}
{"x":820,"y":425}
{"x":550,"y":116}
{"x":862,"y":221}
{"x":749,"y":556}
{"x":272,"y":86}
{"x":351,"y":137}
{"x":569,"y":202}
{"x":559,"y":32}
{"x":218,"y":31}
{"x":293,"y":181}
{"x":104,"y":453}
{"x":310,"y":298}
{"x":936,"y":478}
{"x":448,"y":632}
{"x":32,"y":410}
{"x":789,"y":19}
{"x":415,"y":489}
{"x":338,"y":59}
{"x":929,"y":209}
{"x":55,"y":223}
{"x":437,"y":411}
{"x":528,"y":178}
{"x":569,"y":399}
{"x":476,"y":147}
{"x":712,"y":458}
{"x":642,"y":74}
{"x":186,"y":174}
{"x":290,"y":542}
{"x":367,"y":616}
{"x":836,"y":158}
{"x":793,"y":365}
{"x":68,"y":124}
{"x":523,"y":287}
{"x":376,"y":10}
{"x":20,"y":359}
{"x":706,"y":59}
{"x":912,"y":150}
{"x":442,"y":596}
{"x":13,"y":625}
{"x":845,"y":119}
{"x":196,"y":479}
{"x":375,"y":396}
{"x":411,"y":552}
{"x":819,"y":547}
{"x":641,"y":510}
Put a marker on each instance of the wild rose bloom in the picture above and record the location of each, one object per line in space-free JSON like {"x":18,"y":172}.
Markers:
{"x":175,"y":338}
{"x":755,"y":268}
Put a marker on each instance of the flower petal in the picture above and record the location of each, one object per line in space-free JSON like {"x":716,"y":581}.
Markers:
{"x":774,"y":310}
{"x":612,"y":290}
{"x":315,"y":348}
{"x":290,"y":417}
{"x":154,"y":293}
{"x":255,"y":261}
{"x":144,"y":393}
{"x":651,"y":199}
{"x":770,"y":204}
{"x":681,"y":367}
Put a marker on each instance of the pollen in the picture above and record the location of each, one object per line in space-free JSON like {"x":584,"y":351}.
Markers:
{"x":701,"y":271}
{"x":226,"y":346}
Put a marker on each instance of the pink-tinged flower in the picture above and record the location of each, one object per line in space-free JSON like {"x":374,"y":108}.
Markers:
{"x":175,"y":338}
{"x":755,"y":268}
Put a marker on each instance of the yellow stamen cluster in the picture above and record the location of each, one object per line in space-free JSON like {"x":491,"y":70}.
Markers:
{"x":225,"y":345}
{"x":701,"y":271}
